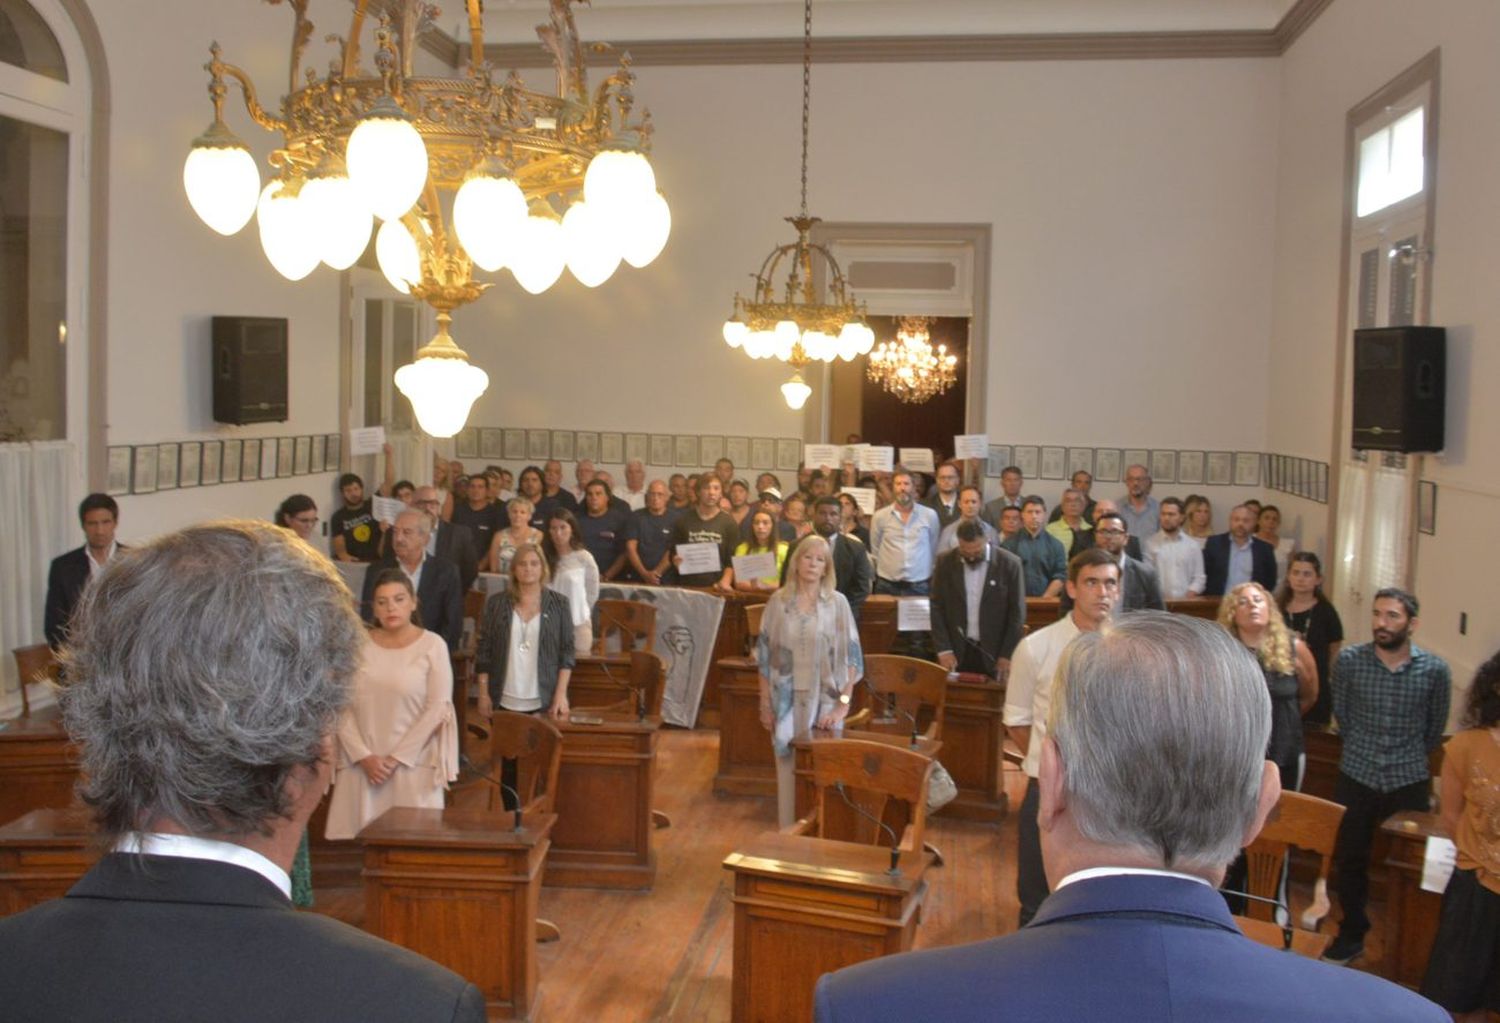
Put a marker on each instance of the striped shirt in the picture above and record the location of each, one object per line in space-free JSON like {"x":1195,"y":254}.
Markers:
{"x":1389,"y":719}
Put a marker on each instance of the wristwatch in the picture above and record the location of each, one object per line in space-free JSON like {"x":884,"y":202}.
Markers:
{"x":844,"y":698}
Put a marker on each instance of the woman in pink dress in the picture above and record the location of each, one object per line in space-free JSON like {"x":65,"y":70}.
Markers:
{"x":398,"y":738}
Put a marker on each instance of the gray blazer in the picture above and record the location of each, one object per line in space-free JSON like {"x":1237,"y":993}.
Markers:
{"x":554,"y":649}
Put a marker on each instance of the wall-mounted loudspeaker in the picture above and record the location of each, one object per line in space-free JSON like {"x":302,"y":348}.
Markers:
{"x":250,"y":369}
{"x":1399,"y":388}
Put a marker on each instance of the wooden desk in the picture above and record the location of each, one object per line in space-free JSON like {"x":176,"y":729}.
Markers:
{"x":732,"y":641}
{"x":1411,"y":913}
{"x":42,"y":855}
{"x":602,"y":838}
{"x":1198,"y":607}
{"x":747,"y":767}
{"x":38,"y":764}
{"x":805,"y":906}
{"x":974,"y":741}
{"x":1041,"y":612}
{"x":461,"y":887}
{"x":896,"y":815}
{"x":599,"y":681}
{"x":877,"y":623}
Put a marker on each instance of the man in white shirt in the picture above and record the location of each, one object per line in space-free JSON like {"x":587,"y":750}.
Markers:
{"x":234,"y":647}
{"x":583,"y":473}
{"x":1177,"y":558}
{"x":1094,"y":585}
{"x":903,"y":541}
{"x":634,"y":493}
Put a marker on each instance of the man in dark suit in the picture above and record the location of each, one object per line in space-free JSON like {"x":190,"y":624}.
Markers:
{"x":440,"y":595}
{"x":944,"y":496}
{"x":853,"y":575}
{"x":1140,"y":589}
{"x":201,"y":793}
{"x":1151,"y":779}
{"x":1108,"y":507}
{"x":71,"y":572}
{"x":978,"y":605}
{"x":1238,"y":556}
{"x":449,"y":541}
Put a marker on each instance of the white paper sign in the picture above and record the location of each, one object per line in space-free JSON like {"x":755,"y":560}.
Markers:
{"x":864,"y":497}
{"x":917,"y":459}
{"x":913,"y":614}
{"x":971,"y":445}
{"x":699,"y":558}
{"x":873,"y":459}
{"x":367,"y":440}
{"x":819,"y":456}
{"x":850,"y":452}
{"x":1437,"y":864}
{"x":754,"y":566}
{"x":387,"y":508}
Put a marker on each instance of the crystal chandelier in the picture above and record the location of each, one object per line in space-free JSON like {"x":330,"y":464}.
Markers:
{"x":909,"y":367}
{"x":794,"y":326}
{"x":464,"y":173}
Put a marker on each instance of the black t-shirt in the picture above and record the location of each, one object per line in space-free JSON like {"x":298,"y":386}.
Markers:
{"x":604,"y":536}
{"x":485,"y":523}
{"x":544,"y":506}
{"x":359,"y":529}
{"x":693,"y":528}
{"x":1319,"y":626}
{"x":652,"y":535}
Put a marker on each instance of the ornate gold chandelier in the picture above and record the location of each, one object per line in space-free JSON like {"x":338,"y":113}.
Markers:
{"x":909,"y":367}
{"x":796,"y":327}
{"x":464,"y":173}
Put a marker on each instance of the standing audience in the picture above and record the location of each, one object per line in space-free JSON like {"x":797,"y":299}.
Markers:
{"x":70,"y":573}
{"x":1312,"y":616}
{"x":355,"y":532}
{"x":1177,"y":558}
{"x":525,"y":655}
{"x":1237,"y":556}
{"x":1040,"y":552}
{"x":572,"y":572}
{"x":518,"y":534}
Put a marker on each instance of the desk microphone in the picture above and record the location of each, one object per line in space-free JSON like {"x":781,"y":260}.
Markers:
{"x":892,"y":705}
{"x":638,"y":691}
{"x":981,"y":648}
{"x":895,"y":870}
{"x":1286,"y":928}
{"x":467,"y":764}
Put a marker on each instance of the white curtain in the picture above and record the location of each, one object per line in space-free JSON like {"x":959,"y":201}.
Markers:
{"x":37,"y":523}
{"x":1374,"y":529}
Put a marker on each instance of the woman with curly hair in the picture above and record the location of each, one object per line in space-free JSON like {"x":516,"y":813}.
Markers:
{"x":1463,"y":972}
{"x":1248,"y":614}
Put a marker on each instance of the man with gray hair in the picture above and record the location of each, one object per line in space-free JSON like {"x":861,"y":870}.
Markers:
{"x":440,"y":594}
{"x":207,"y":672}
{"x":1153,"y":776}
{"x":634,"y":493}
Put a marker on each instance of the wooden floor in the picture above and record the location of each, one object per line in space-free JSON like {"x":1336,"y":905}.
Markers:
{"x":666,"y":955}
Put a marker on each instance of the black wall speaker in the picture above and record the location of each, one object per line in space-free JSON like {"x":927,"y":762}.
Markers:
{"x":1399,"y":388}
{"x":250,"y":369}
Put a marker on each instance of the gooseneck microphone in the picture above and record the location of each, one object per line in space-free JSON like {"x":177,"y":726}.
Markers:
{"x":468,"y":764}
{"x":895,"y":870}
{"x":891,"y":705}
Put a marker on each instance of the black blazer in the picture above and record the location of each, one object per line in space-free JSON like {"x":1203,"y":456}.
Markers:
{"x":1140,"y":589}
{"x":1002,"y":608}
{"x":66,"y":579}
{"x":554,"y":650}
{"x":456,"y":543}
{"x":440,"y":597}
{"x":945,"y":516}
{"x":853,"y":575}
{"x":174,"y":940}
{"x":1216,"y":564}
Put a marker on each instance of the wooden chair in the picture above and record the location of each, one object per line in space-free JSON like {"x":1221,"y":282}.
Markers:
{"x":1300,"y":821}
{"x":903,"y":690}
{"x":34,"y":664}
{"x":535,"y":744}
{"x":633,"y":622}
{"x":887,"y":783}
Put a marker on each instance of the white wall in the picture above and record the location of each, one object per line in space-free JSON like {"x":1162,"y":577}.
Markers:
{"x":1350,"y":52}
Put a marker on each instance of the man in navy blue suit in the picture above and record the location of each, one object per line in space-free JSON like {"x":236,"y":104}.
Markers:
{"x":1153,"y":775}
{"x":1238,"y":556}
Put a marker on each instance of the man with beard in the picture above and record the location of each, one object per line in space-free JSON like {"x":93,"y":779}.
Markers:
{"x":851,"y":563}
{"x":903,"y":541}
{"x":1391,"y":701}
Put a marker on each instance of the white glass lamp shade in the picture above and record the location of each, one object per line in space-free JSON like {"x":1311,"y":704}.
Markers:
{"x":736,"y":331}
{"x":539,"y":256}
{"x":819,"y":345}
{"x":396,"y":252}
{"x":617,"y":179}
{"x":442,"y":390}
{"x":340,"y":221}
{"x":387,"y":160}
{"x":795,"y":391}
{"x":590,"y":244}
{"x":646,"y":230}
{"x":222,"y":185}
{"x":787,"y":334}
{"x":487,"y":213}
{"x":761,"y":344}
{"x":285,"y":232}
{"x":858,"y":336}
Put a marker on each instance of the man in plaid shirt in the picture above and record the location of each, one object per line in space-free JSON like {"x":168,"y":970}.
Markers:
{"x":1391,"y":701}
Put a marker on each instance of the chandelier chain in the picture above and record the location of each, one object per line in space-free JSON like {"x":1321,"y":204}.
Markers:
{"x":806,"y":92}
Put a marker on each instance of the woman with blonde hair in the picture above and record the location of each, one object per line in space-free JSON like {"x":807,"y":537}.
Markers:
{"x":810,"y":658}
{"x":518,"y":534}
{"x":1198,"y":518}
{"x":1248,"y":613}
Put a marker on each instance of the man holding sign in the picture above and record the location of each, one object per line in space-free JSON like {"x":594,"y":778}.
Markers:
{"x":699,"y":530}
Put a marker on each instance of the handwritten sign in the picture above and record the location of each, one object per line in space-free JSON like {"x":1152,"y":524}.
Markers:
{"x":387,"y":508}
{"x":971,"y":445}
{"x":874,"y":459}
{"x":917,"y":459}
{"x":367,"y":440}
{"x":820,"y":456}
{"x":699,"y":558}
{"x":754,"y":566}
{"x":864,"y":497}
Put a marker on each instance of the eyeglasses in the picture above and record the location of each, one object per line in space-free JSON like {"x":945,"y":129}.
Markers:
{"x":1110,"y":532}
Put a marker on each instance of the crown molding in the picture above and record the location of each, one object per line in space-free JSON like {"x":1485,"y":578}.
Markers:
{"x":1297,"y":20}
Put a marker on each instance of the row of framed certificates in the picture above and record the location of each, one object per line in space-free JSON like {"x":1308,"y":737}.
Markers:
{"x":689,"y":451}
{"x":1303,"y":477}
{"x":147,"y":468}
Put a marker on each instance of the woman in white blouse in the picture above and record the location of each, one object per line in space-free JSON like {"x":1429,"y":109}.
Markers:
{"x":398,"y":738}
{"x":574,"y":572}
{"x":525,"y":652}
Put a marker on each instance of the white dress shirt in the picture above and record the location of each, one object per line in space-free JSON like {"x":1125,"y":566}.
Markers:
{"x":1092,"y":872}
{"x":191,"y":847}
{"x":1028,"y":695}
{"x":95,"y":566}
{"x":1178,"y":561}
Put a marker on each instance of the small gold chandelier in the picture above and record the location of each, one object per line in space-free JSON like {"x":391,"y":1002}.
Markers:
{"x":795,"y":327}
{"x":909,"y":367}
{"x":464,"y":173}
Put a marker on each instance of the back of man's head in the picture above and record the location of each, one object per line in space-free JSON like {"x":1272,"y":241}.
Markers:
{"x":1161,"y":722}
{"x":203,"y":669}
